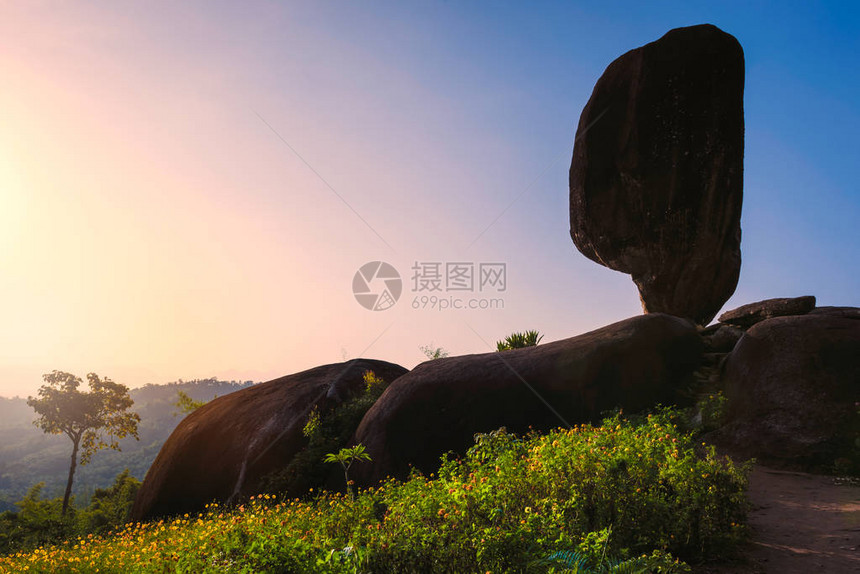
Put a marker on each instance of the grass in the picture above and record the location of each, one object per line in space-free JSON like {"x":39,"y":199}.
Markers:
{"x":642,"y":493}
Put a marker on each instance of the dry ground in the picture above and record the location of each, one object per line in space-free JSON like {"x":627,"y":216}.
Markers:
{"x":801,"y":523}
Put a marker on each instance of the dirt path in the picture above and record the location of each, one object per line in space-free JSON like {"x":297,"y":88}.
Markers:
{"x":801,"y":523}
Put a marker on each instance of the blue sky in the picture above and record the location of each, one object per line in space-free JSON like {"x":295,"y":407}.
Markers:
{"x":156,"y":226}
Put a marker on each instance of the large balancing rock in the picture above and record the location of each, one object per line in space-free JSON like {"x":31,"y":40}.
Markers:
{"x":440,"y":405}
{"x":224,"y":450}
{"x":656,"y":180}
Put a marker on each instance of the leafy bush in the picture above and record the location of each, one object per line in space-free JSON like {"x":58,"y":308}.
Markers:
{"x":41,"y":521}
{"x":573,"y":562}
{"x":326,"y":432}
{"x":519,"y":340}
{"x":38,"y":521}
{"x":110,"y":507}
{"x":712,"y":408}
{"x":28,"y":456}
{"x":624,"y":497}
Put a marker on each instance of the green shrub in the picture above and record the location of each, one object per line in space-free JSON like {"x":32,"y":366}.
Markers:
{"x":624,"y":497}
{"x":110,"y":507}
{"x":326,"y":432}
{"x":574,"y":562}
{"x":712,"y":408}
{"x":40,"y":521}
{"x":519,"y":340}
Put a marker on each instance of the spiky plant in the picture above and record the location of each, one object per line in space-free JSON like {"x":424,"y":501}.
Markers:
{"x":519,"y":340}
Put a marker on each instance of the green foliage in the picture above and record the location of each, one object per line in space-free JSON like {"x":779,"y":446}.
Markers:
{"x":591,"y":558}
{"x":312,"y":427}
{"x":713,"y":407}
{"x":109,"y":507}
{"x":38,"y":521}
{"x":372,"y":383}
{"x":41,"y":521}
{"x":185,"y":404}
{"x":346,"y":457}
{"x":573,"y":562}
{"x":432,"y":352}
{"x":624,"y":497}
{"x":28,"y":456}
{"x":87,"y":418}
{"x":519,"y":340}
{"x":327,"y":432}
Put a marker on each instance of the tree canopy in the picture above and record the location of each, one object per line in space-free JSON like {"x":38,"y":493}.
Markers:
{"x":185,"y":404}
{"x":92,"y":420}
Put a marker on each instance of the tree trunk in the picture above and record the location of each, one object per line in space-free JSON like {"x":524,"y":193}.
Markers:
{"x":71,"y":476}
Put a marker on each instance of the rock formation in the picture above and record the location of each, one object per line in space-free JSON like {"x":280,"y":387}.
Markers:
{"x":846,"y":312}
{"x":793,"y":384}
{"x":224,"y":449}
{"x":656,"y":180}
{"x":441,"y":404}
{"x":748,"y":315}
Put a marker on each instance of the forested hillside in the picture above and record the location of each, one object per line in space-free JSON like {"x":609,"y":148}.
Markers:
{"x":29,"y":456}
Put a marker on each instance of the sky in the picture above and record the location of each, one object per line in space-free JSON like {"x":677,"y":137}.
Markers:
{"x":189,"y":189}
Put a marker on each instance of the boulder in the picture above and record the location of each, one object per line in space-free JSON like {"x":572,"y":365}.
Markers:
{"x":656,"y":180}
{"x":792,"y":384}
{"x":223,"y":450}
{"x":724,"y":339}
{"x":441,"y":404}
{"x":752,"y":313}
{"x":846,"y":312}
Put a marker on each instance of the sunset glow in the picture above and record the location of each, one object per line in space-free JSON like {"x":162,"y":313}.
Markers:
{"x":187,"y":189}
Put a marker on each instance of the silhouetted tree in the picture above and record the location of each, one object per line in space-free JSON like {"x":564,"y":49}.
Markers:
{"x":84,"y":417}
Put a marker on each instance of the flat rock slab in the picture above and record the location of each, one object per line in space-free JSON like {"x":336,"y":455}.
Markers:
{"x":656,"y":179}
{"x":441,"y":404}
{"x":748,"y":315}
{"x":227,"y":447}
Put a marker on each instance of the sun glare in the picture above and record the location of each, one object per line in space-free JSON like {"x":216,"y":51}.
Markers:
{"x":12,"y":204}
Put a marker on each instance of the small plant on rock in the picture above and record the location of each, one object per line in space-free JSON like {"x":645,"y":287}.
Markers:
{"x":519,"y":340}
{"x":312,"y":427}
{"x":372,"y":383}
{"x":346,"y":457}
{"x":433,"y":352}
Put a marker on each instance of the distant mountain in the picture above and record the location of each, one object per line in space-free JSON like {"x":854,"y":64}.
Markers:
{"x":29,"y":456}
